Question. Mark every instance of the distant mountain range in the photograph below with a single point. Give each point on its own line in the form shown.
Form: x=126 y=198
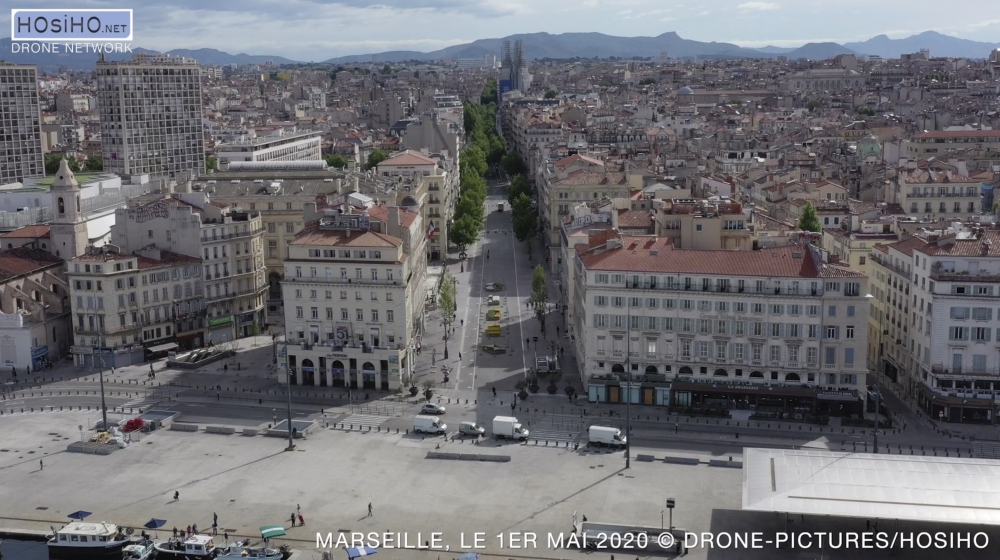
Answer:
x=563 y=46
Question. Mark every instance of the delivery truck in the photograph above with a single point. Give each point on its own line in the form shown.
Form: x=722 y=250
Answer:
x=507 y=427
x=606 y=435
x=429 y=425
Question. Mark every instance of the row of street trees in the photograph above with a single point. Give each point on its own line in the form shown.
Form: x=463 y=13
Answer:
x=485 y=150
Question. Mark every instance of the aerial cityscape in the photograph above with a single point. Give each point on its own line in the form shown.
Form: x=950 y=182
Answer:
x=595 y=289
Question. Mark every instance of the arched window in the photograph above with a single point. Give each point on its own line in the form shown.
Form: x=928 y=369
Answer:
x=721 y=373
x=792 y=377
x=685 y=371
x=62 y=206
x=617 y=368
x=651 y=370
x=756 y=375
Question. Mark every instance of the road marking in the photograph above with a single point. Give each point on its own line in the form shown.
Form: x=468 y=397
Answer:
x=364 y=420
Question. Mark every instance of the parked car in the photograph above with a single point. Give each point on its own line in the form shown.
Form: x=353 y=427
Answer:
x=431 y=408
x=471 y=429
x=493 y=287
x=429 y=425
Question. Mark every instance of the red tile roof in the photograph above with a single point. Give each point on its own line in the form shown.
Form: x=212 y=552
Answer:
x=15 y=262
x=28 y=232
x=637 y=255
x=409 y=158
x=988 y=245
x=381 y=213
x=959 y=134
x=330 y=237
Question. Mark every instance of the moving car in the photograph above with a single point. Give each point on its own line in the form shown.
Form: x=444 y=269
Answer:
x=493 y=287
x=500 y=207
x=606 y=435
x=431 y=408
x=508 y=427
x=494 y=349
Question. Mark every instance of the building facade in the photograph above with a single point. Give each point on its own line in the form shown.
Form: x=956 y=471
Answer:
x=775 y=330
x=937 y=321
x=295 y=146
x=151 y=116
x=20 y=124
x=353 y=296
x=34 y=309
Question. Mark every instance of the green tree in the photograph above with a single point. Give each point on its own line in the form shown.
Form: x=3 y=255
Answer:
x=336 y=160
x=376 y=157
x=513 y=164
x=551 y=94
x=475 y=159
x=464 y=231
x=446 y=303
x=866 y=111
x=211 y=163
x=489 y=94
x=809 y=221
x=387 y=69
x=524 y=218
x=518 y=186
x=52 y=163
x=539 y=294
x=94 y=163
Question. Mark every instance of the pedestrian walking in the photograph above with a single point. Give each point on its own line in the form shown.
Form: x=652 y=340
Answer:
x=225 y=537
x=215 y=518
x=298 y=509
x=189 y=529
x=151 y=369
x=301 y=520
x=177 y=495
x=41 y=465
x=215 y=529
x=463 y=322
x=194 y=528
x=494 y=392
x=175 y=531
x=238 y=366
x=218 y=396
x=460 y=356
x=369 y=509
x=225 y=368
x=293 y=520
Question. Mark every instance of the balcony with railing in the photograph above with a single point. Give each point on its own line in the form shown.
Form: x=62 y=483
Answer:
x=341 y=280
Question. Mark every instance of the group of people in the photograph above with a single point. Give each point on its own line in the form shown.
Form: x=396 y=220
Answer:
x=193 y=528
x=298 y=513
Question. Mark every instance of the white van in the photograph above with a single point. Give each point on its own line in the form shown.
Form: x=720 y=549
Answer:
x=429 y=425
x=606 y=435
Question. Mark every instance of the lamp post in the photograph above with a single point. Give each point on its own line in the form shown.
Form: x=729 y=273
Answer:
x=274 y=345
x=288 y=392
x=104 y=406
x=628 y=392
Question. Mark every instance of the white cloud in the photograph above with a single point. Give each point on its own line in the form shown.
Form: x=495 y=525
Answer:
x=758 y=6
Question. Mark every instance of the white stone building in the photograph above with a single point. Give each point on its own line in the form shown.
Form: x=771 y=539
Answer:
x=280 y=146
x=21 y=138
x=775 y=330
x=354 y=300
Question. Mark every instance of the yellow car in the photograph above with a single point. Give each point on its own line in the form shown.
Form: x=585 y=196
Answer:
x=493 y=330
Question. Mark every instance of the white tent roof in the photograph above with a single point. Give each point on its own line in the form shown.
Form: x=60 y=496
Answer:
x=942 y=489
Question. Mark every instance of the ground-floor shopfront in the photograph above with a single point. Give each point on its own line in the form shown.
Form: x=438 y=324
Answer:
x=359 y=367
x=108 y=357
x=973 y=405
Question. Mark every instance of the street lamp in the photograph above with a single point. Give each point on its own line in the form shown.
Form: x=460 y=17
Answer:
x=288 y=391
x=628 y=392
x=274 y=345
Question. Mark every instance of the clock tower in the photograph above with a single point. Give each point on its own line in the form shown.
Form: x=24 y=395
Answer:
x=68 y=230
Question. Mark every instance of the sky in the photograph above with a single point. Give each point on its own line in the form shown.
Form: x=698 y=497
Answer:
x=314 y=30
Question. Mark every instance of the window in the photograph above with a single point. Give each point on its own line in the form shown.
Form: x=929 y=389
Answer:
x=360 y=314
x=756 y=328
x=618 y=301
x=600 y=301
x=775 y=353
x=850 y=311
x=831 y=311
x=374 y=296
x=343 y=314
x=687 y=304
x=298 y=312
x=722 y=306
x=959 y=312
x=651 y=303
x=720 y=327
x=289 y=227
x=776 y=309
x=812 y=310
x=738 y=351
x=978 y=313
x=811 y=356
x=343 y=294
x=329 y=313
x=389 y=316
x=958 y=333
x=756 y=351
x=981 y=334
x=848 y=356
x=705 y=326
x=813 y=331
x=686 y=325
x=635 y=302
x=758 y=308
x=686 y=349
x=703 y=349
x=775 y=330
x=601 y=278
x=793 y=354
x=978 y=363
x=849 y=332
x=315 y=312
x=600 y=321
x=374 y=315
x=831 y=356
x=792 y=330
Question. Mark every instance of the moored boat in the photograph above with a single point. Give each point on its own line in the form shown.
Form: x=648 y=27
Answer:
x=142 y=550
x=243 y=550
x=80 y=540
x=194 y=547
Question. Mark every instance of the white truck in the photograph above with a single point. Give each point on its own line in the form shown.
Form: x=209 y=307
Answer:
x=508 y=427
x=429 y=425
x=606 y=435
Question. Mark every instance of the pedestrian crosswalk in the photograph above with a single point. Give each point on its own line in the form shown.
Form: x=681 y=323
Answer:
x=553 y=434
x=367 y=420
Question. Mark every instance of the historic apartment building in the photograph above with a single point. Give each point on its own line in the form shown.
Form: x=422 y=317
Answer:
x=127 y=307
x=773 y=330
x=353 y=293
x=430 y=187
x=227 y=241
x=934 y=321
